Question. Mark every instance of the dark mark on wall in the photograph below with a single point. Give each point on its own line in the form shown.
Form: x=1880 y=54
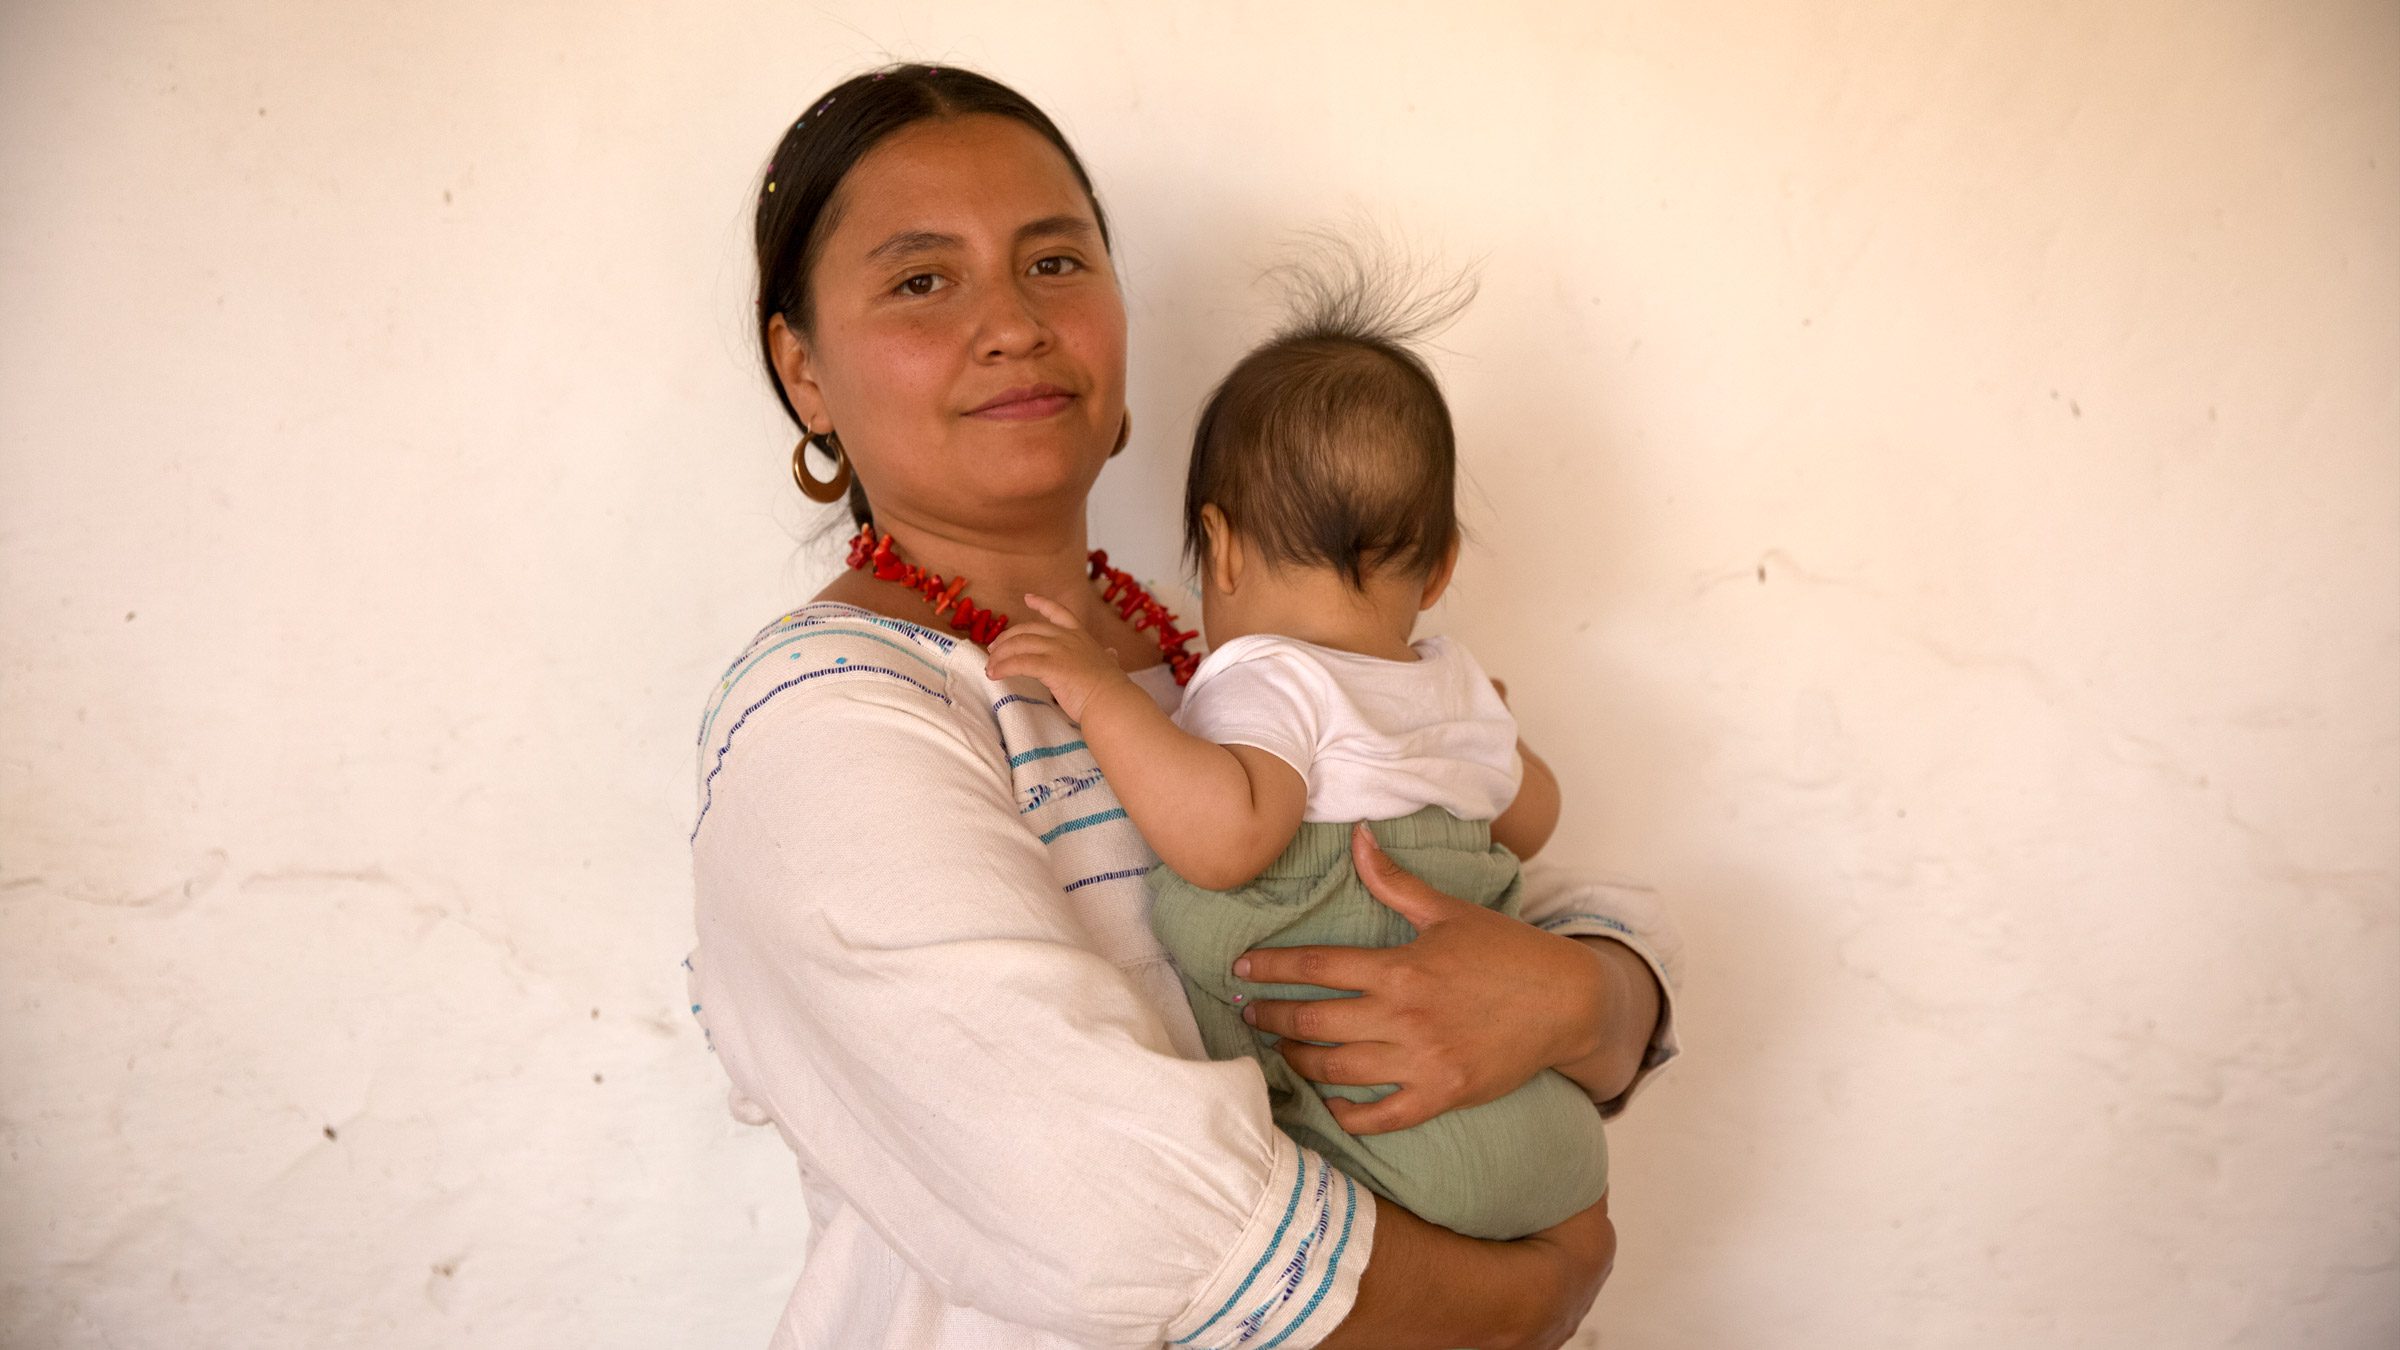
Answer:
x=595 y=1078
x=330 y=1134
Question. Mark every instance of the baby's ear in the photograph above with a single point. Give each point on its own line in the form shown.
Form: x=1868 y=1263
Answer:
x=1439 y=580
x=1221 y=568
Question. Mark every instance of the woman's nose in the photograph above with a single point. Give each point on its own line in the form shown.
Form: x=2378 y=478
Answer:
x=1010 y=325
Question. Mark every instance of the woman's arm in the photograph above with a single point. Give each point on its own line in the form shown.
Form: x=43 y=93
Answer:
x=1428 y=1287
x=890 y=969
x=1624 y=1024
x=1628 y=926
x=1472 y=1007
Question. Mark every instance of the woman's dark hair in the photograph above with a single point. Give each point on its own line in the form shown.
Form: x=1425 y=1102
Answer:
x=796 y=194
x=1330 y=444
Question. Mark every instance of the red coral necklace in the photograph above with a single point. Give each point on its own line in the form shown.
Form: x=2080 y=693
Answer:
x=873 y=552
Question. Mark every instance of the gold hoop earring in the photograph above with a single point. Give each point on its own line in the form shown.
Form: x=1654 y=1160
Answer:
x=1124 y=434
x=822 y=489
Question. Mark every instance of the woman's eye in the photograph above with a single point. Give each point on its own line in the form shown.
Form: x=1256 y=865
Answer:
x=1057 y=265
x=923 y=283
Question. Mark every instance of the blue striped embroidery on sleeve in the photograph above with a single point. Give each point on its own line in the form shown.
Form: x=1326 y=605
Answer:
x=1333 y=1264
x=1290 y=1207
x=1083 y=822
x=1603 y=920
x=1296 y=1268
x=1057 y=789
x=1025 y=757
x=1119 y=875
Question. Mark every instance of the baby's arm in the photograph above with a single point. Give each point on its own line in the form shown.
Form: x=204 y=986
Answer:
x=1217 y=814
x=1526 y=825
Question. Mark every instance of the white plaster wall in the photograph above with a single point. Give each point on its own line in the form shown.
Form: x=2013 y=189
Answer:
x=1958 y=446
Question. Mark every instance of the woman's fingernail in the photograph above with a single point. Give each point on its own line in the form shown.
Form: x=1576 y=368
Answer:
x=1241 y=968
x=1250 y=1015
x=1238 y=998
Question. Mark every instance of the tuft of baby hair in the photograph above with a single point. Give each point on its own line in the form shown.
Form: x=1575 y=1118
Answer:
x=1330 y=444
x=1362 y=286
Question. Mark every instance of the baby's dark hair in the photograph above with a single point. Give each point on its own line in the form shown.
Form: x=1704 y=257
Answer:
x=1330 y=444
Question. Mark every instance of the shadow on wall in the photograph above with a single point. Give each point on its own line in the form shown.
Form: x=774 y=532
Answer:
x=1541 y=441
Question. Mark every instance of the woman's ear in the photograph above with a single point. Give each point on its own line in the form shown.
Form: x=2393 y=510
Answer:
x=792 y=366
x=1439 y=581
x=1222 y=568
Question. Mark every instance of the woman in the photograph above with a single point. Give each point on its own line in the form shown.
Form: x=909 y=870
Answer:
x=923 y=946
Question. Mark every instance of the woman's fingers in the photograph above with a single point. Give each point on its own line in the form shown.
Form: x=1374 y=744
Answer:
x=1357 y=1064
x=1317 y=1019
x=1330 y=967
x=1401 y=891
x=1398 y=1111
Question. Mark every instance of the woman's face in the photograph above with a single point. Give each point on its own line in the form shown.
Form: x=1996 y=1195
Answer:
x=968 y=342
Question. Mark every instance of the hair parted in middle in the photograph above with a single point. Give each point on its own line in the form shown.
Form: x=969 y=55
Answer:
x=1330 y=444
x=799 y=194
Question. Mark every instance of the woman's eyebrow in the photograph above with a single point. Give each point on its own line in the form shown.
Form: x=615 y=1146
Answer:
x=910 y=242
x=1072 y=227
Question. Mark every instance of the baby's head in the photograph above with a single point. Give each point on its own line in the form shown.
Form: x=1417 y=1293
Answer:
x=1327 y=454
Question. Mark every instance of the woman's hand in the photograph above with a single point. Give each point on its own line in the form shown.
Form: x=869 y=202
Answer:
x=1060 y=654
x=1470 y=1009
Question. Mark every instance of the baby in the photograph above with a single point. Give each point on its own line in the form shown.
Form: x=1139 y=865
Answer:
x=1319 y=513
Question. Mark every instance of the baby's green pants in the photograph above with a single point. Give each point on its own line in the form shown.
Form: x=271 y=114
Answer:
x=1500 y=1170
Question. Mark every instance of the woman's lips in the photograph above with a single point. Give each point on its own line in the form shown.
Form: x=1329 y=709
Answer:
x=1026 y=404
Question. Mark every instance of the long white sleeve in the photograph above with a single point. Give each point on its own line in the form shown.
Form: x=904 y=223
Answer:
x=892 y=971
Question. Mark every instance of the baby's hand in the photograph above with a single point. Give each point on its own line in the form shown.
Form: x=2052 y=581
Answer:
x=1059 y=654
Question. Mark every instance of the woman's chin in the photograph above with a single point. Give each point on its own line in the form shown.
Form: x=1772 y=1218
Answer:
x=1036 y=462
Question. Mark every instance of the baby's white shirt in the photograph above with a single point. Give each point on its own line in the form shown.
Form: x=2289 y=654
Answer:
x=1375 y=738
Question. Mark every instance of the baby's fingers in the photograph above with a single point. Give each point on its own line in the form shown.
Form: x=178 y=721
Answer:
x=1023 y=640
x=1055 y=613
x=1026 y=658
x=1019 y=632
